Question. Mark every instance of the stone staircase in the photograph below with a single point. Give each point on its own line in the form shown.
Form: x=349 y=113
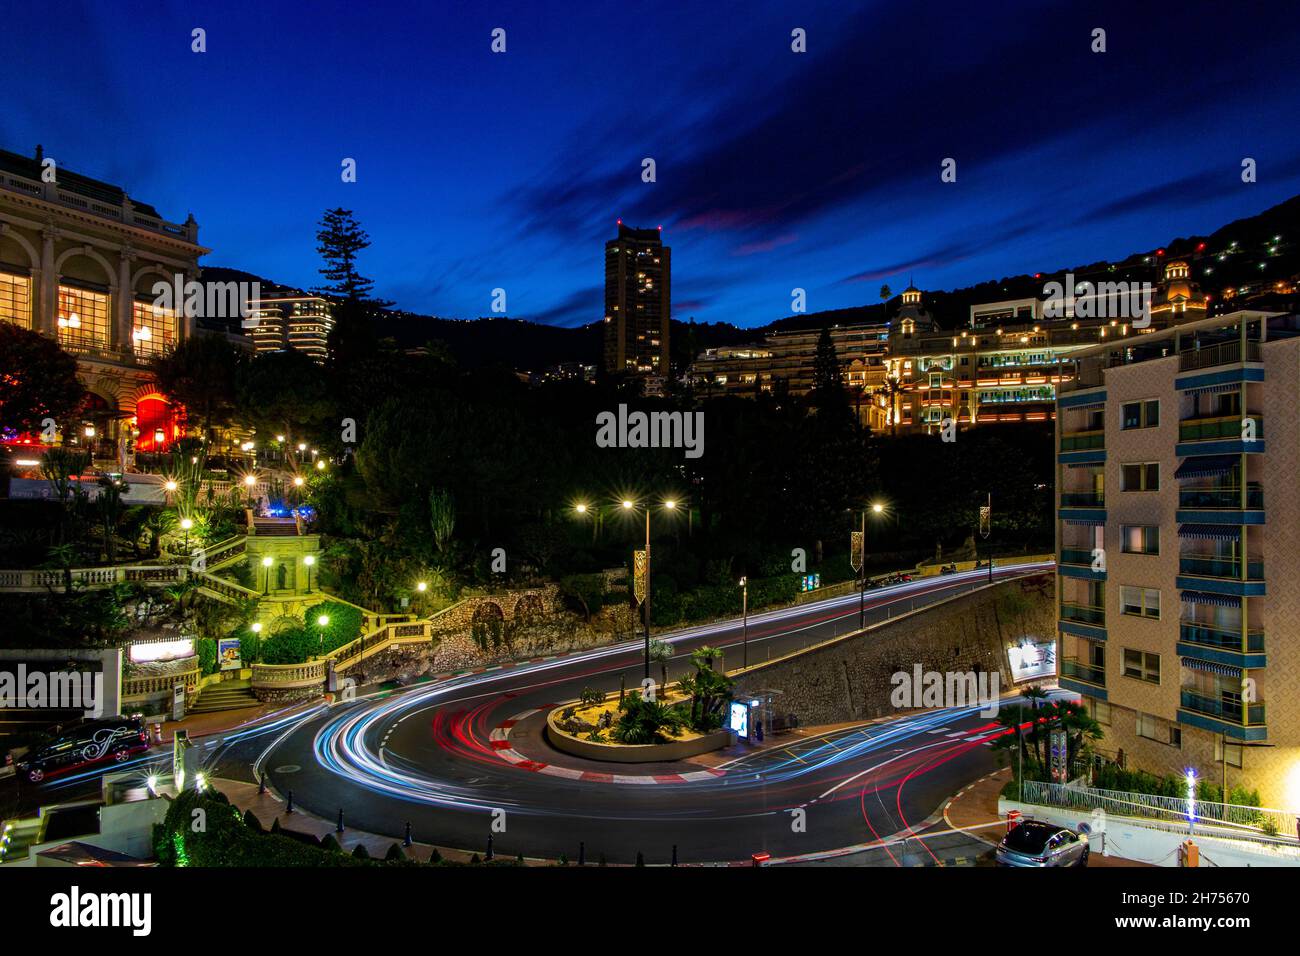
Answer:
x=227 y=695
x=275 y=527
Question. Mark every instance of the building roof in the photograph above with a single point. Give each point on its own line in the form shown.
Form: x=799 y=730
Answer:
x=29 y=167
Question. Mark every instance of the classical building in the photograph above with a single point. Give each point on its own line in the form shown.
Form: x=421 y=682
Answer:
x=638 y=278
x=78 y=262
x=1178 y=528
x=292 y=321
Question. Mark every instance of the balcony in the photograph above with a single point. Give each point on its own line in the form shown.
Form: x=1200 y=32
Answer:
x=1218 y=428
x=1085 y=614
x=1226 y=498
x=1083 y=441
x=1088 y=674
x=1225 y=353
x=1226 y=715
x=1222 y=645
x=1208 y=566
x=1079 y=563
x=1083 y=499
x=1077 y=556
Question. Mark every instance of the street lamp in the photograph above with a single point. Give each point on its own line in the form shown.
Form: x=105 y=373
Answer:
x=249 y=481
x=323 y=621
x=266 y=563
x=309 y=560
x=422 y=586
x=629 y=505
x=256 y=628
x=744 y=616
x=877 y=508
x=186 y=524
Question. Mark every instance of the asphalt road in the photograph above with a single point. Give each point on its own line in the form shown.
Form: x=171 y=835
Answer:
x=427 y=756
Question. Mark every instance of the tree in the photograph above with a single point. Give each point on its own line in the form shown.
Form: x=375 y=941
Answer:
x=661 y=652
x=38 y=380
x=283 y=393
x=442 y=518
x=828 y=386
x=201 y=373
x=339 y=239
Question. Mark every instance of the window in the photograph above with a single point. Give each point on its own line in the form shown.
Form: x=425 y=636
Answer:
x=16 y=299
x=1141 y=476
x=83 y=319
x=153 y=330
x=1142 y=666
x=1140 y=539
x=1100 y=711
x=1162 y=731
x=1144 y=414
x=1142 y=602
x=1229 y=753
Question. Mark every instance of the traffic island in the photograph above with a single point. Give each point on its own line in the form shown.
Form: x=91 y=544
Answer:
x=588 y=731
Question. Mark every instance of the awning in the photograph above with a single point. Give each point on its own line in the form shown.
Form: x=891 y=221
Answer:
x=1214 y=389
x=1213 y=600
x=1088 y=521
x=1210 y=532
x=1085 y=464
x=1206 y=466
x=1210 y=667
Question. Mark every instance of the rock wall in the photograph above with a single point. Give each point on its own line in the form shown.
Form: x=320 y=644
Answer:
x=849 y=678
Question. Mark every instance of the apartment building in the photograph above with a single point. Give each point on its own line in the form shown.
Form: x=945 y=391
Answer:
x=292 y=321
x=638 y=296
x=1178 y=527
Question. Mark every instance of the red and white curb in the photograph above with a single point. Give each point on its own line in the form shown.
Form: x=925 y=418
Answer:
x=499 y=740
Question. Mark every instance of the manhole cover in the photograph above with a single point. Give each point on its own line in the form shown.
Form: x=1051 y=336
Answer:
x=288 y=768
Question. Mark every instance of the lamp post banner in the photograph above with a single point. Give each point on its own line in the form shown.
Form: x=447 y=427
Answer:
x=640 y=574
x=855 y=550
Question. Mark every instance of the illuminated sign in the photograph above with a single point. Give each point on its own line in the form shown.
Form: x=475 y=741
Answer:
x=1031 y=659
x=161 y=651
x=738 y=719
x=810 y=582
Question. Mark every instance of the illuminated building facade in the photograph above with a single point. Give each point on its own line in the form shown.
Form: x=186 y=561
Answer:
x=638 y=279
x=301 y=322
x=78 y=262
x=1177 y=531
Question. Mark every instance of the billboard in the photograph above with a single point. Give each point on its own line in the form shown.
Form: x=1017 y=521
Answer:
x=1031 y=659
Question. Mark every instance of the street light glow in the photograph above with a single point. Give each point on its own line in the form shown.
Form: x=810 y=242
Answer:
x=422 y=586
x=250 y=480
x=309 y=560
x=170 y=486
x=581 y=508
x=878 y=507
x=298 y=480
x=256 y=627
x=670 y=504
x=627 y=505
x=267 y=561
x=323 y=620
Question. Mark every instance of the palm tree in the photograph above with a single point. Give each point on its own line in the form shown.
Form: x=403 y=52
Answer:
x=661 y=652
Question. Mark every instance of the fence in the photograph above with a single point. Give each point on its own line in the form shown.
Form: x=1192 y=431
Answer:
x=1122 y=803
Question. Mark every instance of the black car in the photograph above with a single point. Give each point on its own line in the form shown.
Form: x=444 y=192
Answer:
x=85 y=743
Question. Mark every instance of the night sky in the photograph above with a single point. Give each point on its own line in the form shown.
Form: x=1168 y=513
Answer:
x=775 y=169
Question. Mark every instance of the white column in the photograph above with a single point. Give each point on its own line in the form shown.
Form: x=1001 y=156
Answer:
x=47 y=296
x=124 y=305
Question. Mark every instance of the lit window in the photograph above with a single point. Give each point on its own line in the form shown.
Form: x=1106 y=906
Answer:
x=153 y=330
x=16 y=299
x=82 y=319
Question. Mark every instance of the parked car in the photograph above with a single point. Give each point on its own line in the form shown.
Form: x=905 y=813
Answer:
x=85 y=743
x=1033 y=843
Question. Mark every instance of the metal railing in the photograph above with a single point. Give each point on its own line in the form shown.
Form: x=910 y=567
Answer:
x=1221 y=497
x=1077 y=556
x=1262 y=820
x=1228 y=709
x=1225 y=353
x=1083 y=441
x=1205 y=635
x=1083 y=613
x=1084 y=672
x=1218 y=427
x=1083 y=499
x=1205 y=566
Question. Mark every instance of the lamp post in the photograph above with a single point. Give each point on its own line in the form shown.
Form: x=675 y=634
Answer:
x=249 y=481
x=186 y=524
x=744 y=617
x=323 y=621
x=309 y=560
x=266 y=563
x=876 y=508
x=629 y=505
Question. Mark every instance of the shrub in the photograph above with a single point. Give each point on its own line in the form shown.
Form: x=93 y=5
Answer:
x=206 y=648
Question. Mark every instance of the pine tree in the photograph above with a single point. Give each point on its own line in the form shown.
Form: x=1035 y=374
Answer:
x=339 y=240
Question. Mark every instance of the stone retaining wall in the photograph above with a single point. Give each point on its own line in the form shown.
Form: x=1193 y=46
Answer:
x=849 y=678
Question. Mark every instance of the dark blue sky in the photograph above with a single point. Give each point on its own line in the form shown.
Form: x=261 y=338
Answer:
x=775 y=170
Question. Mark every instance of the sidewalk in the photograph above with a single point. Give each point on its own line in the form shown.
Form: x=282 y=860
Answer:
x=224 y=721
x=974 y=810
x=267 y=807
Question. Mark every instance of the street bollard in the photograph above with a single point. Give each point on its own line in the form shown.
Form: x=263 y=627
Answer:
x=489 y=854
x=289 y=807
x=582 y=854
x=406 y=840
x=340 y=826
x=674 y=854
x=261 y=785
